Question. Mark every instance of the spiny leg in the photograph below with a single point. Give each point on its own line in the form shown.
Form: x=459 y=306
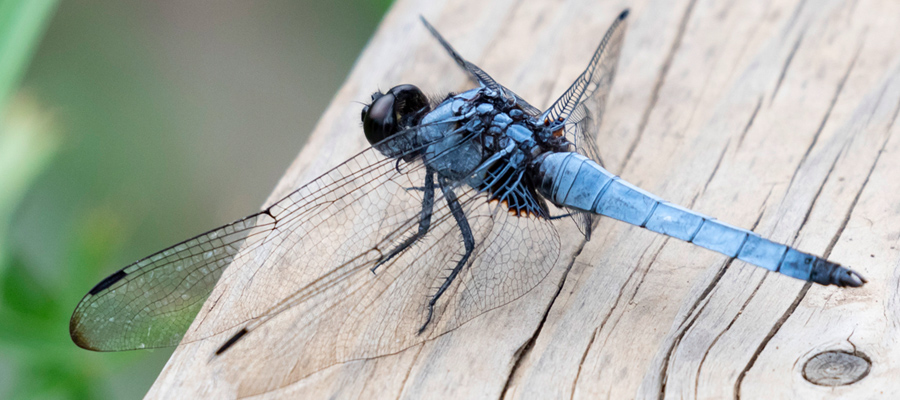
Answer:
x=424 y=220
x=468 y=242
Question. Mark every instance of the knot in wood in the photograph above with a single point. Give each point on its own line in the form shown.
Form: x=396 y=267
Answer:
x=836 y=368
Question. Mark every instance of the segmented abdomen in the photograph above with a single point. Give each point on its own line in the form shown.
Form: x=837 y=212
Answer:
x=573 y=180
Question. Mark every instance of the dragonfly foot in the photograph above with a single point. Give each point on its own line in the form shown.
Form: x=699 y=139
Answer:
x=378 y=264
x=427 y=320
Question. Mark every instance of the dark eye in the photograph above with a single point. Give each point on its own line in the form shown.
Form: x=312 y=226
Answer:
x=398 y=109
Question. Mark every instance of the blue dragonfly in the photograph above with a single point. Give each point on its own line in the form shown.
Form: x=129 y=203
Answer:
x=449 y=214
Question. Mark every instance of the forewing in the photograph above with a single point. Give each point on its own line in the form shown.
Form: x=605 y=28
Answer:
x=152 y=302
x=328 y=306
x=479 y=75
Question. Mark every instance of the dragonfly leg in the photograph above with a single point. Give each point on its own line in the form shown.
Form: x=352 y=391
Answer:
x=468 y=242
x=582 y=220
x=424 y=220
x=561 y=216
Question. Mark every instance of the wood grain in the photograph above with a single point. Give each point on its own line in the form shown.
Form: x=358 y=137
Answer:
x=773 y=115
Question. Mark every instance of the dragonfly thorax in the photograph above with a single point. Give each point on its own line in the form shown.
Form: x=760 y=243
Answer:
x=480 y=139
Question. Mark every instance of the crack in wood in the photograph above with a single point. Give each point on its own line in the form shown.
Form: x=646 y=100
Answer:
x=894 y=117
x=877 y=104
x=787 y=64
x=818 y=193
x=856 y=199
x=683 y=331
x=520 y=354
x=837 y=94
x=719 y=162
x=647 y=270
x=660 y=79
x=690 y=321
x=750 y=122
x=606 y=317
x=769 y=336
x=587 y=350
x=759 y=284
x=526 y=347
x=727 y=328
x=409 y=371
x=802 y=294
x=794 y=16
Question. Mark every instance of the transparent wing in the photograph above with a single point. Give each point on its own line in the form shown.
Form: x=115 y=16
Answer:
x=303 y=279
x=580 y=108
x=594 y=83
x=152 y=302
x=329 y=236
x=479 y=75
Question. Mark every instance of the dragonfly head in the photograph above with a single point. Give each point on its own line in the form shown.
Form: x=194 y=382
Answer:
x=398 y=109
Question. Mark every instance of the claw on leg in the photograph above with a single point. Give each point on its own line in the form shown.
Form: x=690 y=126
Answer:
x=468 y=241
x=424 y=221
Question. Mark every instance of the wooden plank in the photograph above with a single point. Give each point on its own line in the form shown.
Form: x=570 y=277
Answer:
x=777 y=116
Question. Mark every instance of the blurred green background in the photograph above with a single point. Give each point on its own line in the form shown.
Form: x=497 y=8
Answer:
x=127 y=126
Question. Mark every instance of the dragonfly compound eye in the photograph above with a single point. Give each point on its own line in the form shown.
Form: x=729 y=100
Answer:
x=398 y=109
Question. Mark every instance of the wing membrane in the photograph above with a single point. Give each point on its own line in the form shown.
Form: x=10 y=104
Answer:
x=151 y=302
x=479 y=75
x=580 y=108
x=328 y=236
x=303 y=279
x=346 y=312
x=301 y=270
x=596 y=79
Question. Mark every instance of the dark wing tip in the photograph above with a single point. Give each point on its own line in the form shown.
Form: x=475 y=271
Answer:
x=78 y=336
x=75 y=331
x=624 y=14
x=80 y=342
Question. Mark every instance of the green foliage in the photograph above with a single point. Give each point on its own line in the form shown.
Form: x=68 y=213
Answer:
x=22 y=23
x=86 y=113
x=35 y=311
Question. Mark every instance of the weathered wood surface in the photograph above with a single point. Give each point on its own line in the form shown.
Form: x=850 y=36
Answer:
x=773 y=115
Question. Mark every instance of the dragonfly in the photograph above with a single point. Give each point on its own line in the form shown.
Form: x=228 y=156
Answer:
x=450 y=213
